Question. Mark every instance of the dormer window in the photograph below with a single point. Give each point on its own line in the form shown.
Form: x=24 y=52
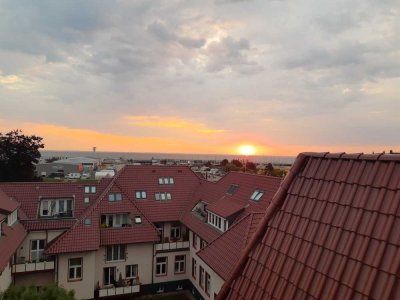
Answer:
x=12 y=218
x=112 y=197
x=256 y=196
x=90 y=189
x=138 y=220
x=59 y=208
x=159 y=196
x=141 y=195
x=217 y=221
x=115 y=220
x=166 y=180
x=232 y=189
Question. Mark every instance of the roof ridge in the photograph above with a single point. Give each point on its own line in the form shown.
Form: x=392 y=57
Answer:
x=275 y=205
x=248 y=229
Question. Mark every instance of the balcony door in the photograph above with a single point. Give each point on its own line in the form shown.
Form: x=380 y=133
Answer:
x=109 y=275
x=37 y=249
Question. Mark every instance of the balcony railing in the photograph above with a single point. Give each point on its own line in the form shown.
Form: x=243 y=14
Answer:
x=33 y=266
x=178 y=245
x=132 y=286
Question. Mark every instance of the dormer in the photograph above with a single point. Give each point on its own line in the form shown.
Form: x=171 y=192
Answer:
x=12 y=218
x=117 y=220
x=56 y=208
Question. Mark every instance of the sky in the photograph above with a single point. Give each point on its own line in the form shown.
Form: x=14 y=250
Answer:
x=202 y=76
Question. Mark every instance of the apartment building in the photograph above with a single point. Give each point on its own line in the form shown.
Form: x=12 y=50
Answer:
x=148 y=230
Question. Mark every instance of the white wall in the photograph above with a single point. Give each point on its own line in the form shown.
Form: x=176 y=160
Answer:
x=216 y=281
x=5 y=278
x=84 y=289
x=137 y=254
x=171 y=276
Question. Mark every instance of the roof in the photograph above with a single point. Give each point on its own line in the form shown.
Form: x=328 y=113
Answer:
x=7 y=204
x=138 y=233
x=10 y=240
x=202 y=229
x=77 y=161
x=224 y=207
x=218 y=201
x=47 y=224
x=28 y=194
x=224 y=252
x=331 y=232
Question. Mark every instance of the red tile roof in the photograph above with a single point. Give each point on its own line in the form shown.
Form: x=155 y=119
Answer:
x=7 y=205
x=37 y=225
x=10 y=240
x=224 y=207
x=136 y=234
x=28 y=194
x=202 y=229
x=332 y=232
x=224 y=252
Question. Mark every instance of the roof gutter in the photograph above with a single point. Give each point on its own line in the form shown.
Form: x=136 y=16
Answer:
x=276 y=203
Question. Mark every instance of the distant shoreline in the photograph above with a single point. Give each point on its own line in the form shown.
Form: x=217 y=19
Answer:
x=174 y=156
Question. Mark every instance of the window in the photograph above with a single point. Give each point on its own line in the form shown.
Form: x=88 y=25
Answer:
x=232 y=189
x=217 y=222
x=141 y=195
x=175 y=231
x=194 y=241
x=75 y=268
x=201 y=277
x=61 y=208
x=90 y=189
x=180 y=264
x=131 y=271
x=88 y=221
x=162 y=196
x=109 y=275
x=37 y=249
x=203 y=244
x=256 y=196
x=138 y=220
x=112 y=197
x=208 y=284
x=166 y=180
x=161 y=266
x=86 y=200
x=194 y=268
x=115 y=252
x=12 y=218
x=116 y=220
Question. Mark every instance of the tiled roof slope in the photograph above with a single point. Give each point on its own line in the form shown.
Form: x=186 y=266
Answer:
x=224 y=252
x=145 y=178
x=10 y=240
x=215 y=195
x=332 y=232
x=7 y=205
x=30 y=193
x=83 y=237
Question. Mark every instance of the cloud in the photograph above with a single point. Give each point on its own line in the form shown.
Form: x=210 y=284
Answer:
x=170 y=123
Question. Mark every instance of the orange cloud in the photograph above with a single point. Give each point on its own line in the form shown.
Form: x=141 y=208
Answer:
x=170 y=122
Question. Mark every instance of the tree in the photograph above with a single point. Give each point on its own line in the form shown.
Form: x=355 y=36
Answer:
x=51 y=292
x=224 y=162
x=250 y=166
x=18 y=154
x=237 y=163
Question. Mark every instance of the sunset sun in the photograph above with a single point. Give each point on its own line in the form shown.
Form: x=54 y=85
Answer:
x=247 y=150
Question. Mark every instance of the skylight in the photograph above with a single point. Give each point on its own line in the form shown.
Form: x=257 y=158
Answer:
x=256 y=196
x=232 y=189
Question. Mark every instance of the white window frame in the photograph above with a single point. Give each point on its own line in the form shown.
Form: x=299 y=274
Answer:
x=141 y=195
x=176 y=231
x=218 y=222
x=116 y=252
x=75 y=269
x=162 y=196
x=207 y=283
x=256 y=196
x=112 y=273
x=180 y=264
x=131 y=271
x=117 y=220
x=162 y=266
x=166 y=180
x=90 y=189
x=114 y=197
x=36 y=252
x=12 y=218
x=56 y=206
x=138 y=219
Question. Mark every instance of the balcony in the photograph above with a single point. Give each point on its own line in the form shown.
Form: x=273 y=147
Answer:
x=128 y=287
x=22 y=267
x=182 y=244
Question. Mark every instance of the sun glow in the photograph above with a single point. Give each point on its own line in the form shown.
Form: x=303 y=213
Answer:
x=247 y=150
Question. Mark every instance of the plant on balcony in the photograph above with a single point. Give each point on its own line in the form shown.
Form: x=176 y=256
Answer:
x=103 y=226
x=166 y=239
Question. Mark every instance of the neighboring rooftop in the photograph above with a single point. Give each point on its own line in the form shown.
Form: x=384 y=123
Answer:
x=331 y=232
